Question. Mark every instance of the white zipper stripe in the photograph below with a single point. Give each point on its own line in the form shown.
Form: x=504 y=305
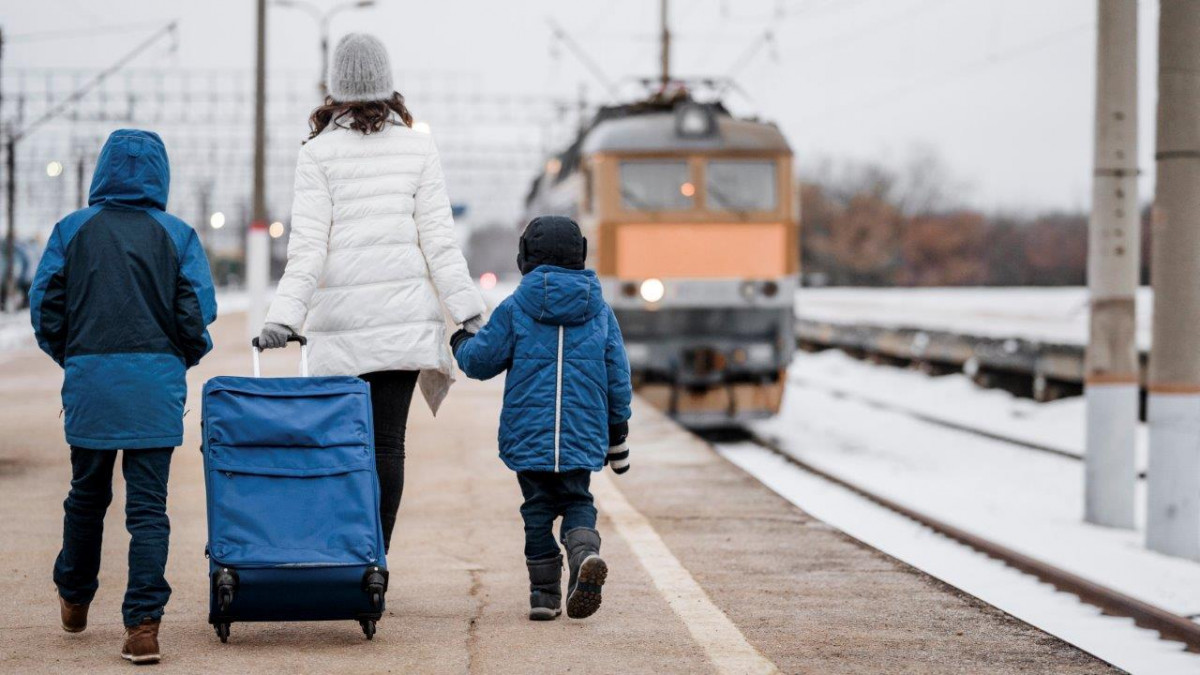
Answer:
x=558 y=399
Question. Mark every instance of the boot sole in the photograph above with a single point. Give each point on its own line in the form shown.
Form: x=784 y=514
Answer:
x=585 y=599
x=143 y=659
x=544 y=614
x=77 y=629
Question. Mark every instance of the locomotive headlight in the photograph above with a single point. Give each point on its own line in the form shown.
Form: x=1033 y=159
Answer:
x=653 y=290
x=760 y=354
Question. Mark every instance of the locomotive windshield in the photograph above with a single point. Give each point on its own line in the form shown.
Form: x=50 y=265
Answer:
x=656 y=185
x=742 y=185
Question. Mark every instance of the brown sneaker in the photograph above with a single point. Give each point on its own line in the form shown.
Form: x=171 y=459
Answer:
x=141 y=643
x=74 y=617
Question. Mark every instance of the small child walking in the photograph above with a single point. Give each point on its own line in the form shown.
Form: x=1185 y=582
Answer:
x=566 y=407
x=122 y=301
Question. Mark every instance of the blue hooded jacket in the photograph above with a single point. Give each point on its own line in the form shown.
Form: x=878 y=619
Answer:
x=568 y=376
x=122 y=300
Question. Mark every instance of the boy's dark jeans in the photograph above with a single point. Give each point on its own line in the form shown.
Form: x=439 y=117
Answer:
x=78 y=564
x=549 y=495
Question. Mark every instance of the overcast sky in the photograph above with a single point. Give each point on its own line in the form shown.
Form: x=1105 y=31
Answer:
x=1001 y=89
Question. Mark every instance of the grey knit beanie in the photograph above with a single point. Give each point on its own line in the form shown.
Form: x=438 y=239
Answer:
x=360 y=70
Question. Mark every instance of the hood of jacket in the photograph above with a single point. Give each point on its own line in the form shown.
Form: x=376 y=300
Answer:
x=559 y=296
x=132 y=170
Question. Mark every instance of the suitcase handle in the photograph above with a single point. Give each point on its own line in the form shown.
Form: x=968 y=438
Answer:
x=291 y=338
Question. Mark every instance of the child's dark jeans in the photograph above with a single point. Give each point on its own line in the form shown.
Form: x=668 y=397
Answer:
x=549 y=495
x=78 y=564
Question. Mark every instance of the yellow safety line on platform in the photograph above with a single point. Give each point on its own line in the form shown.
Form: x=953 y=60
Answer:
x=721 y=640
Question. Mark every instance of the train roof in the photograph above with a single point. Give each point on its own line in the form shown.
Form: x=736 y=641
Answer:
x=658 y=132
x=656 y=125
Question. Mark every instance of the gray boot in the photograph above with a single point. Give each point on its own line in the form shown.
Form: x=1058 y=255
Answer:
x=588 y=572
x=545 y=588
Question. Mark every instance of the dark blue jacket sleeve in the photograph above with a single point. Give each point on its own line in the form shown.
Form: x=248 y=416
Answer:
x=48 y=299
x=616 y=363
x=195 y=302
x=490 y=352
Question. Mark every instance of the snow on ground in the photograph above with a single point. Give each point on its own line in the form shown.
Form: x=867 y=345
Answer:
x=1027 y=500
x=1113 y=639
x=953 y=399
x=1058 y=315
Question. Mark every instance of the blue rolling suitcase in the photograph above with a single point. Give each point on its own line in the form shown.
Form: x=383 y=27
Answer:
x=293 y=500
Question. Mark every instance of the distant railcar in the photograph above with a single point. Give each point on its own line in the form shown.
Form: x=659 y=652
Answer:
x=692 y=229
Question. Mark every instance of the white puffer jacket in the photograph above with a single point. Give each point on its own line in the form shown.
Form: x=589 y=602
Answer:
x=371 y=252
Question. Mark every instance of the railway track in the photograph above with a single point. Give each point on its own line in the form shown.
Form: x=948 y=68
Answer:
x=938 y=421
x=1169 y=625
x=932 y=419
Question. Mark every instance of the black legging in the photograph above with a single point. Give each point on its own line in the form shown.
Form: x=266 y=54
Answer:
x=391 y=394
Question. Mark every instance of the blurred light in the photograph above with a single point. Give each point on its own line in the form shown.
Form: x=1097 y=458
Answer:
x=749 y=290
x=217 y=220
x=760 y=354
x=553 y=165
x=276 y=230
x=687 y=189
x=487 y=281
x=54 y=169
x=422 y=127
x=693 y=120
x=653 y=290
x=365 y=3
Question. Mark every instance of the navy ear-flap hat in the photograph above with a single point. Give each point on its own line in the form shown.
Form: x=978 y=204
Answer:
x=552 y=240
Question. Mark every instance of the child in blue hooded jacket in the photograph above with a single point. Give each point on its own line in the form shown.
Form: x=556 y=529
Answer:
x=122 y=301
x=566 y=407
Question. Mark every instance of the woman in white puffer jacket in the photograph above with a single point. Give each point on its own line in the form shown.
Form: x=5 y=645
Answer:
x=372 y=252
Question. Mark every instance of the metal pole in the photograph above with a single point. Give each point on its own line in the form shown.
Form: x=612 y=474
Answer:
x=10 y=194
x=80 y=191
x=7 y=291
x=256 y=239
x=666 y=45
x=1173 y=477
x=324 y=57
x=1113 y=258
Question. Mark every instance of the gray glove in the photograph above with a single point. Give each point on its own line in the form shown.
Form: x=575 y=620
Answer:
x=274 y=336
x=473 y=324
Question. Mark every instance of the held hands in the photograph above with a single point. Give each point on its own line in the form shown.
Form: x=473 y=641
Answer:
x=469 y=328
x=274 y=336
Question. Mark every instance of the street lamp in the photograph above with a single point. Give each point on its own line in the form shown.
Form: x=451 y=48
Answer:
x=323 y=17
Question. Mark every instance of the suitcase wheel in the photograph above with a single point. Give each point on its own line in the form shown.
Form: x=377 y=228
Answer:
x=222 y=631
x=224 y=597
x=224 y=581
x=368 y=628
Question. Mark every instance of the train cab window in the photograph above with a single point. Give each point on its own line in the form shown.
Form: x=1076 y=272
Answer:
x=742 y=185
x=656 y=185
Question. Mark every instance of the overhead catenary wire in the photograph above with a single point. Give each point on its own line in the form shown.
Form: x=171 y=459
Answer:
x=99 y=79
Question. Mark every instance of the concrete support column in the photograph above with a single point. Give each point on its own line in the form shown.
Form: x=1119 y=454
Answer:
x=1173 y=481
x=1113 y=258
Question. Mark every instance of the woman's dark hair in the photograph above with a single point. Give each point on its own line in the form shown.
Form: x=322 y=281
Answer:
x=362 y=116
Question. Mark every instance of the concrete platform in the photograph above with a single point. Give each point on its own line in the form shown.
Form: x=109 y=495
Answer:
x=710 y=571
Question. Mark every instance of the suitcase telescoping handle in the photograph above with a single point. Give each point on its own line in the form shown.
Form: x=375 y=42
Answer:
x=291 y=338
